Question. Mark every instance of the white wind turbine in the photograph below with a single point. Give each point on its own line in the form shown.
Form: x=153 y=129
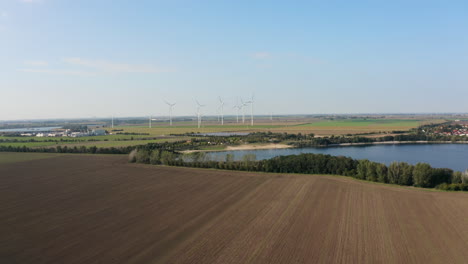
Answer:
x=243 y=104
x=221 y=107
x=199 y=106
x=238 y=107
x=150 y=121
x=251 y=102
x=170 y=111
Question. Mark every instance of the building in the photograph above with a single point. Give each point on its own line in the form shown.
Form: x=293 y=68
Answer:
x=98 y=132
x=78 y=134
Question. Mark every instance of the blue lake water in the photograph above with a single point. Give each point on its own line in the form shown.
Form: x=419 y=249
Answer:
x=453 y=156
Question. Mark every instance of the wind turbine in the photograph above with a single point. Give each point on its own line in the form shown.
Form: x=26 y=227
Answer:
x=222 y=108
x=199 y=106
x=243 y=104
x=251 y=102
x=149 y=121
x=170 y=111
x=239 y=107
x=112 y=122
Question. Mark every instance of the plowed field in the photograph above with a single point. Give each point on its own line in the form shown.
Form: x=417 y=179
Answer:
x=100 y=209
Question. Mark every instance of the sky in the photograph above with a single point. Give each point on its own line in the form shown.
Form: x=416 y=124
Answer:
x=101 y=58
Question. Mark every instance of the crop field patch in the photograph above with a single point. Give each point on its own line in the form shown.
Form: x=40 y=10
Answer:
x=101 y=209
x=367 y=122
x=30 y=144
x=355 y=126
x=12 y=157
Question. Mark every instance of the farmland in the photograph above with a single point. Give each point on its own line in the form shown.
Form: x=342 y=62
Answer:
x=356 y=126
x=133 y=135
x=17 y=157
x=98 y=141
x=304 y=125
x=101 y=209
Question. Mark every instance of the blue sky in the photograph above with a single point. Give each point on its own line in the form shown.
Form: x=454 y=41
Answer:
x=69 y=59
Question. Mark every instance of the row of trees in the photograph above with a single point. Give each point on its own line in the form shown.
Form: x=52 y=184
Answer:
x=401 y=173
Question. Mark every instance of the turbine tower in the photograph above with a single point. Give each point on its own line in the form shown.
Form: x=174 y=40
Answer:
x=251 y=102
x=221 y=107
x=149 y=121
x=170 y=111
x=238 y=107
x=112 y=125
x=243 y=104
x=199 y=106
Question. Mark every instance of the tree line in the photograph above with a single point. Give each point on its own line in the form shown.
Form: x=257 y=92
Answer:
x=400 y=173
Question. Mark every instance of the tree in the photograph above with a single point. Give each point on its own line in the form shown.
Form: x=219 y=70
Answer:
x=142 y=156
x=155 y=158
x=229 y=158
x=441 y=175
x=394 y=173
x=248 y=160
x=406 y=177
x=362 y=169
x=371 y=173
x=93 y=149
x=464 y=178
x=457 y=177
x=198 y=156
x=382 y=172
x=422 y=175
x=167 y=157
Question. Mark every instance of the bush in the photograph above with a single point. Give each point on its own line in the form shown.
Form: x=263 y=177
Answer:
x=167 y=157
x=143 y=156
x=457 y=177
x=155 y=158
x=453 y=187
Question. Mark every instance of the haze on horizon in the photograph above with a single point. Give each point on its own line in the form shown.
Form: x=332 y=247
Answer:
x=71 y=59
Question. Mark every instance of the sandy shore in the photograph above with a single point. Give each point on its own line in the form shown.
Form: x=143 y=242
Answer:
x=283 y=146
x=255 y=146
x=244 y=147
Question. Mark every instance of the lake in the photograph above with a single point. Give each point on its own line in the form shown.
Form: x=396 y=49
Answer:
x=453 y=156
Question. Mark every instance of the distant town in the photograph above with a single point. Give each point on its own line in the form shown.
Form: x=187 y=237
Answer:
x=456 y=128
x=66 y=133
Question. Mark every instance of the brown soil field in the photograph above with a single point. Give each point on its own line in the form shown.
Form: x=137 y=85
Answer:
x=100 y=209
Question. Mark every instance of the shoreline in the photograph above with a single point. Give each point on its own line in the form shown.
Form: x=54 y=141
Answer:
x=394 y=143
x=243 y=147
x=285 y=146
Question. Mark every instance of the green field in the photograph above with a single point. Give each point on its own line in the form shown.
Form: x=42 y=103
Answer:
x=366 y=123
x=122 y=143
x=168 y=130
